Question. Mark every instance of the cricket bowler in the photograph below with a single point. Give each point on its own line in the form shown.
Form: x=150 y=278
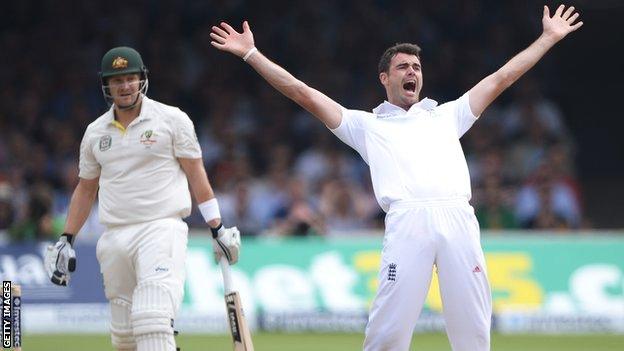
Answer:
x=420 y=178
x=139 y=157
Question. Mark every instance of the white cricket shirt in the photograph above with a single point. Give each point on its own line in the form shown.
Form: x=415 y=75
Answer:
x=414 y=154
x=140 y=177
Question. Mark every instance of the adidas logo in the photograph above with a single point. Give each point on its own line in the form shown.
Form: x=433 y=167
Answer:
x=392 y=272
x=477 y=269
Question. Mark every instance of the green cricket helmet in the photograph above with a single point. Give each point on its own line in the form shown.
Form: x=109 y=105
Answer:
x=122 y=60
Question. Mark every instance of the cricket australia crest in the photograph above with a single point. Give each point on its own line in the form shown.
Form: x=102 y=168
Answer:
x=147 y=138
x=119 y=63
x=105 y=142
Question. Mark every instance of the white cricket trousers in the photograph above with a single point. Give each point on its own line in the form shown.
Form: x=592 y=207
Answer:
x=421 y=234
x=143 y=265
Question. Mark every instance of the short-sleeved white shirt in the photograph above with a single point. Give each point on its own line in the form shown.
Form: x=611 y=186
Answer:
x=414 y=154
x=140 y=177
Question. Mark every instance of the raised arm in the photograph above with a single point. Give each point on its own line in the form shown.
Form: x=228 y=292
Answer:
x=225 y=38
x=555 y=29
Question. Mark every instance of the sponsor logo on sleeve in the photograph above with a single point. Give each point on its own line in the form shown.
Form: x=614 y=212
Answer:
x=392 y=271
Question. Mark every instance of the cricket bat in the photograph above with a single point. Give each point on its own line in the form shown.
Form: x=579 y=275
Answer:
x=241 y=337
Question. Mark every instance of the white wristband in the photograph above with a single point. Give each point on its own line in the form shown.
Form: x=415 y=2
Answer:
x=209 y=209
x=249 y=53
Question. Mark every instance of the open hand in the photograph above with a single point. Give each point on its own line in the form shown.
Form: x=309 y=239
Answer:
x=561 y=23
x=226 y=38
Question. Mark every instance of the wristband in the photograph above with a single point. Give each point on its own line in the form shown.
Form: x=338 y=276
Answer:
x=209 y=209
x=249 y=53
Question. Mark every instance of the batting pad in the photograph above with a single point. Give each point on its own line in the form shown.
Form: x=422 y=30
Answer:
x=122 y=336
x=152 y=312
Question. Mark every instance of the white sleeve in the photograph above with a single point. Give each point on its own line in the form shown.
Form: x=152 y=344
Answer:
x=185 y=143
x=88 y=166
x=351 y=130
x=464 y=119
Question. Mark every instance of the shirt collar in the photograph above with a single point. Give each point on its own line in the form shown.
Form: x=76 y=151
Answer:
x=143 y=115
x=387 y=109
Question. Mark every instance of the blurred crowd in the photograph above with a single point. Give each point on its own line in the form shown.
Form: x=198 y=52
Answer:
x=275 y=169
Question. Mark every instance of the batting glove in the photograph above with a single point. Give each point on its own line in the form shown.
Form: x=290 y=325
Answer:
x=60 y=260
x=226 y=242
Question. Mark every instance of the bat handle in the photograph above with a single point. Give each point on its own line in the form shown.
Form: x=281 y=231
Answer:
x=227 y=277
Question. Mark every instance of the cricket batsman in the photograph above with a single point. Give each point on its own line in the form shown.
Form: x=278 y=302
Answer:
x=140 y=157
x=420 y=178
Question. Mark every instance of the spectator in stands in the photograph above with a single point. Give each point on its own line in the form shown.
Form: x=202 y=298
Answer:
x=47 y=105
x=529 y=102
x=298 y=217
x=20 y=192
x=246 y=205
x=530 y=150
x=92 y=229
x=39 y=223
x=493 y=205
x=344 y=207
x=547 y=202
x=7 y=212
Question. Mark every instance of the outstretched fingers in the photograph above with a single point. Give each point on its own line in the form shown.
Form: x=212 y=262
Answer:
x=217 y=45
x=219 y=31
x=228 y=28
x=562 y=22
x=577 y=26
x=226 y=38
x=218 y=38
x=568 y=13
x=572 y=18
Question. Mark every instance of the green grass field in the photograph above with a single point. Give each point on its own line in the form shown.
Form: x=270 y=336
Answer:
x=334 y=342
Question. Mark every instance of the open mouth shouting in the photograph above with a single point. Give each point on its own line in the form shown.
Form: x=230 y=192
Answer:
x=410 y=86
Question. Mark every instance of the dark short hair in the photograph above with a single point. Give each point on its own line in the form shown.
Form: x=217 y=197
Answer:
x=405 y=48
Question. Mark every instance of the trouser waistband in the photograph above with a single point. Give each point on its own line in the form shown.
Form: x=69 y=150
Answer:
x=419 y=203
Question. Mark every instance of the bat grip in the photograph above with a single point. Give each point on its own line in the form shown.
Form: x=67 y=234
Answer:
x=227 y=277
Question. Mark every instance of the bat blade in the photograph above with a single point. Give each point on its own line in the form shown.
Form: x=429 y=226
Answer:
x=241 y=337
